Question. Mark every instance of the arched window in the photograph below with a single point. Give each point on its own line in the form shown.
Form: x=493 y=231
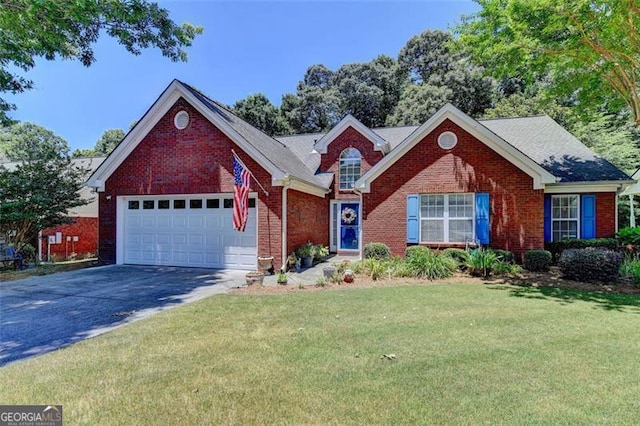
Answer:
x=350 y=160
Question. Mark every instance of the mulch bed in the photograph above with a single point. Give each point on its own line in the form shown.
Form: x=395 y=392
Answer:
x=553 y=279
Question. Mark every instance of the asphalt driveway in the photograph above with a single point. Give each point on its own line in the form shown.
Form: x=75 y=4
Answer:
x=41 y=314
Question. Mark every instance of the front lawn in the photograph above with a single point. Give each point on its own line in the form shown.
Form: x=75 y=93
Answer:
x=466 y=354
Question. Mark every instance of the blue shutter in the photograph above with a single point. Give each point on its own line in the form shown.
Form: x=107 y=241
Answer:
x=413 y=216
x=482 y=217
x=588 y=216
x=547 y=218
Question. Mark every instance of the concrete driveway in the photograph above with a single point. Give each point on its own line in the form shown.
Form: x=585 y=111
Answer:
x=42 y=314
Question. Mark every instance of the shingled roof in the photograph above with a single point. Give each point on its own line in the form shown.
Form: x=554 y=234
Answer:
x=275 y=151
x=558 y=151
x=540 y=138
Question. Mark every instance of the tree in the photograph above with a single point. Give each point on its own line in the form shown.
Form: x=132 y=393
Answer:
x=258 y=111
x=591 y=47
x=28 y=142
x=428 y=59
x=315 y=106
x=69 y=29
x=38 y=192
x=108 y=141
x=418 y=103
x=370 y=90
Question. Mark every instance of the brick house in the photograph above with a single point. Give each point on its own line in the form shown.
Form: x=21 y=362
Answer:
x=166 y=192
x=79 y=238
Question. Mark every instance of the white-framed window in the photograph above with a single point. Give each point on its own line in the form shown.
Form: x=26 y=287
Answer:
x=446 y=218
x=350 y=161
x=565 y=217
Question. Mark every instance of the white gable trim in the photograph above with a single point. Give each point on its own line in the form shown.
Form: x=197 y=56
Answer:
x=509 y=152
x=379 y=144
x=160 y=107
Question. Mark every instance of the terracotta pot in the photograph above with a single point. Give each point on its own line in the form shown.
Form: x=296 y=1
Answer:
x=255 y=277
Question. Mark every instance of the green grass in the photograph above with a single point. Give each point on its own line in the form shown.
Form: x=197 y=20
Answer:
x=464 y=354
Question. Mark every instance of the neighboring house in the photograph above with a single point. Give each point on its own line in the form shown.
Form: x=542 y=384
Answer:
x=166 y=192
x=78 y=239
x=80 y=236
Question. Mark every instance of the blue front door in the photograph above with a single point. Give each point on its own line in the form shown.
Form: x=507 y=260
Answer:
x=349 y=231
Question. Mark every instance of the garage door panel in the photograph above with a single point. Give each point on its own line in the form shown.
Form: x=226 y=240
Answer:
x=198 y=237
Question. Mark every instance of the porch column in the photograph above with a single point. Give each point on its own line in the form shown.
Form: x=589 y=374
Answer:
x=632 y=215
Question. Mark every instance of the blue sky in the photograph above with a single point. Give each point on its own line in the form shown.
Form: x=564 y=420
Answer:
x=247 y=47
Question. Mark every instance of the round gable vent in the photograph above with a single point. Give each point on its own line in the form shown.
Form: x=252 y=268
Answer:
x=181 y=120
x=447 y=140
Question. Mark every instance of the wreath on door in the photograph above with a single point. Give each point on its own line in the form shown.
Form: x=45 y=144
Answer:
x=348 y=215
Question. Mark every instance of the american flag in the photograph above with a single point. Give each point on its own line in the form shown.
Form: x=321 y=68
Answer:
x=241 y=194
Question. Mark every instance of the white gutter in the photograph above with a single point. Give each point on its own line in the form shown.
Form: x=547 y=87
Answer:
x=286 y=184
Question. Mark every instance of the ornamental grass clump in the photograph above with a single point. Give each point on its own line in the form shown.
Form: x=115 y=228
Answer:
x=631 y=268
x=427 y=264
x=537 y=260
x=590 y=264
x=481 y=262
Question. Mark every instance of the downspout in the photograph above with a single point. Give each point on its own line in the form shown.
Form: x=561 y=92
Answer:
x=287 y=183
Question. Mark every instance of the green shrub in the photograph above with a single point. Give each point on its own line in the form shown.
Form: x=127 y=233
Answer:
x=500 y=267
x=557 y=247
x=459 y=255
x=590 y=264
x=320 y=252
x=481 y=262
x=537 y=260
x=426 y=264
x=411 y=250
x=628 y=236
x=631 y=268
x=377 y=251
x=505 y=255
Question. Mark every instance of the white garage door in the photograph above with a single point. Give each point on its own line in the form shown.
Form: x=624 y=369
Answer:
x=195 y=231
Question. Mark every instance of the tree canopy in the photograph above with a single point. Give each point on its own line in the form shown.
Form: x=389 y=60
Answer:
x=38 y=191
x=69 y=29
x=258 y=111
x=591 y=47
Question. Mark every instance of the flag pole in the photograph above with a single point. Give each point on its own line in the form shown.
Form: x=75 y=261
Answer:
x=254 y=178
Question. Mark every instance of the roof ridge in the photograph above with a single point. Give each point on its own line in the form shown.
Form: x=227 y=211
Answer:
x=226 y=109
x=514 y=118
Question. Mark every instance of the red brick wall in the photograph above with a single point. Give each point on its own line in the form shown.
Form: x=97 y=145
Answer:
x=85 y=228
x=516 y=217
x=605 y=214
x=307 y=219
x=195 y=160
x=330 y=162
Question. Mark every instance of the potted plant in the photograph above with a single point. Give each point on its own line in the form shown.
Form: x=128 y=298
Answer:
x=254 y=277
x=320 y=252
x=281 y=278
x=266 y=264
x=306 y=253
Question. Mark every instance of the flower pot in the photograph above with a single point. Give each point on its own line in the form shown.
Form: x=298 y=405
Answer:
x=265 y=265
x=255 y=277
x=348 y=276
x=307 y=262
